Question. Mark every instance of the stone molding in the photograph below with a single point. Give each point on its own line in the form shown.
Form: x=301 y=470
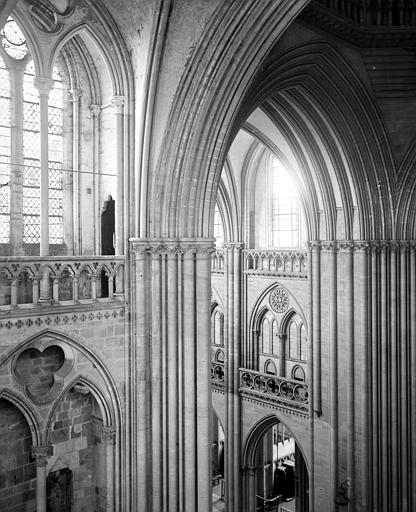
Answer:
x=362 y=245
x=171 y=246
x=234 y=246
x=65 y=318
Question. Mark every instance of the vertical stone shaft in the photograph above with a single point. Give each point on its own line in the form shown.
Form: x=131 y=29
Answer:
x=189 y=385
x=404 y=377
x=155 y=397
x=237 y=254
x=41 y=453
x=350 y=342
x=393 y=391
x=333 y=369
x=412 y=371
x=311 y=380
x=172 y=404
x=139 y=385
x=118 y=105
x=44 y=85
x=375 y=365
x=315 y=268
x=384 y=432
x=233 y=322
x=203 y=377
x=109 y=435
x=96 y=200
x=76 y=235
x=365 y=347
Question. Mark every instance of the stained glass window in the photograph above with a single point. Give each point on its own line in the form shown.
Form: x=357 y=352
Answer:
x=55 y=134
x=31 y=156
x=13 y=40
x=4 y=154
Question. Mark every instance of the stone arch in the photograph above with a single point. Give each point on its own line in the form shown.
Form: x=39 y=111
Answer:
x=258 y=305
x=20 y=402
x=107 y=410
x=344 y=166
x=405 y=220
x=288 y=317
x=198 y=182
x=199 y=95
x=113 y=400
x=249 y=455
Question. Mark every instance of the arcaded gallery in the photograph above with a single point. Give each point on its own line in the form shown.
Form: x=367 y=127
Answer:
x=207 y=255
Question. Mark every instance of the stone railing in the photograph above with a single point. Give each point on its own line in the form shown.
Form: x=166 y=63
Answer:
x=217 y=375
x=217 y=261
x=286 y=394
x=280 y=263
x=55 y=280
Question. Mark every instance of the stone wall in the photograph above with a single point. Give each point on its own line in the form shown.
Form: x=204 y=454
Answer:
x=17 y=468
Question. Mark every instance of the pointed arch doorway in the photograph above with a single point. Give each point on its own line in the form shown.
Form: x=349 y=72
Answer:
x=275 y=471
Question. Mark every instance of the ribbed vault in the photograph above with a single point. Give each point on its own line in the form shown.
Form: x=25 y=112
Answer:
x=339 y=141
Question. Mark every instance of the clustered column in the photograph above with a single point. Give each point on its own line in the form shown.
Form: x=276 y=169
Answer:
x=232 y=363
x=172 y=373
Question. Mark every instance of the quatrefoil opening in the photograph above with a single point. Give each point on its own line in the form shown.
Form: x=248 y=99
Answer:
x=41 y=371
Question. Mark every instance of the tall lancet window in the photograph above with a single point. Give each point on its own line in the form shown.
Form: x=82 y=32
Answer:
x=285 y=211
x=31 y=158
x=218 y=228
x=55 y=134
x=4 y=154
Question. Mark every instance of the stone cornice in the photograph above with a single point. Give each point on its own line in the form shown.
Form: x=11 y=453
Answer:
x=171 y=246
x=363 y=245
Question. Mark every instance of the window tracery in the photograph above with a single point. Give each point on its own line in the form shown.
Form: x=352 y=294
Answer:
x=5 y=128
x=13 y=40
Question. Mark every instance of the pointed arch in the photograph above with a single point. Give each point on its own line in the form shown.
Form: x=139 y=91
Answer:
x=30 y=415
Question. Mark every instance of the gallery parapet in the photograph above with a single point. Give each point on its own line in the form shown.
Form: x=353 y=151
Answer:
x=54 y=280
x=287 y=394
x=283 y=263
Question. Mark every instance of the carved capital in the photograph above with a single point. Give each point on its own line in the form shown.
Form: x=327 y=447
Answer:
x=117 y=102
x=95 y=110
x=249 y=470
x=171 y=246
x=43 y=85
x=346 y=246
x=329 y=246
x=362 y=246
x=314 y=245
x=41 y=454
x=109 y=435
x=235 y=246
x=74 y=95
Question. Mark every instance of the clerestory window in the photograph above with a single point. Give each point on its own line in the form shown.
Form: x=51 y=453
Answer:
x=20 y=149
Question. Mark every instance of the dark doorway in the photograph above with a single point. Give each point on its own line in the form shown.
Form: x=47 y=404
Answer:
x=59 y=491
x=108 y=226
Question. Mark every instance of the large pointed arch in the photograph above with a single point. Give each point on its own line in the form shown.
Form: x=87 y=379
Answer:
x=182 y=198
